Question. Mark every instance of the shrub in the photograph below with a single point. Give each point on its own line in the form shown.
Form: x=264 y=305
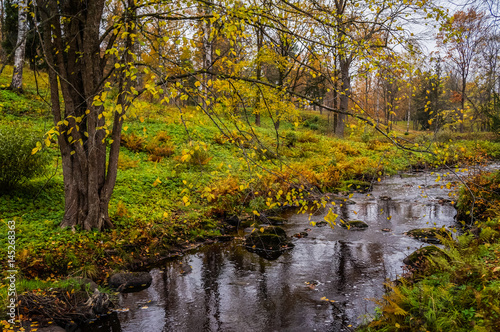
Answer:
x=133 y=142
x=195 y=154
x=17 y=164
x=200 y=156
x=158 y=150
x=444 y=136
x=290 y=139
x=485 y=188
x=125 y=162
x=307 y=137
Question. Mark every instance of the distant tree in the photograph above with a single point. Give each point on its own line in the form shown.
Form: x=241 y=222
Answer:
x=9 y=27
x=429 y=99
x=462 y=39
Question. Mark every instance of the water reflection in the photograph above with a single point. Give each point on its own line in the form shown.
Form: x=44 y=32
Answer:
x=223 y=287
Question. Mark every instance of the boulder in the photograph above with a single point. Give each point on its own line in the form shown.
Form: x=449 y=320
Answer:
x=300 y=235
x=428 y=235
x=127 y=282
x=51 y=328
x=354 y=225
x=268 y=242
x=276 y=220
x=419 y=258
x=233 y=220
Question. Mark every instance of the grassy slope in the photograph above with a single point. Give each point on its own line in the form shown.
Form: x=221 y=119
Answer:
x=158 y=206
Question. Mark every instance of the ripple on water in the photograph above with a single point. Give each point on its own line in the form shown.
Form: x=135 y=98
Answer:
x=321 y=285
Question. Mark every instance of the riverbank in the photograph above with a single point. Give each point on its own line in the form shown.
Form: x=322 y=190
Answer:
x=458 y=290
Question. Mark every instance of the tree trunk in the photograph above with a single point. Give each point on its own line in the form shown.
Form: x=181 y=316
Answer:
x=462 y=103
x=76 y=70
x=17 y=76
x=344 y=94
x=258 y=73
x=2 y=27
x=207 y=47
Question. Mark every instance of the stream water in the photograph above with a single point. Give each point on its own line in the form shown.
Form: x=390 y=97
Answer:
x=223 y=287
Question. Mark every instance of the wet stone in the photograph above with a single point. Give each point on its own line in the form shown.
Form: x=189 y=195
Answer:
x=428 y=235
x=233 y=220
x=127 y=282
x=354 y=225
x=268 y=242
x=300 y=235
x=419 y=258
x=51 y=328
x=276 y=220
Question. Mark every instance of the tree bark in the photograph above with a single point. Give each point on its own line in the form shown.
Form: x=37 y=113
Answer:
x=462 y=101
x=76 y=71
x=258 y=72
x=17 y=76
x=345 y=92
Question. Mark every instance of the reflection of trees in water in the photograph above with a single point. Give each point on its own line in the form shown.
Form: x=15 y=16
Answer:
x=262 y=295
x=355 y=262
x=355 y=259
x=212 y=265
x=386 y=210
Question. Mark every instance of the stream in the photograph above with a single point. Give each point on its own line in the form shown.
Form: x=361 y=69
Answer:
x=327 y=282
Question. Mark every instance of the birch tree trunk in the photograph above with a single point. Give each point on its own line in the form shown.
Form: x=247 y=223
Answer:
x=17 y=77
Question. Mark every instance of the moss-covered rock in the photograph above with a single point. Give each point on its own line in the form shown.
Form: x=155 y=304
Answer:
x=268 y=242
x=276 y=220
x=429 y=235
x=354 y=225
x=419 y=258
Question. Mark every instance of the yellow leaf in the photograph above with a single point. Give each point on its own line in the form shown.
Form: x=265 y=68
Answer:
x=261 y=229
x=256 y=213
x=496 y=269
x=157 y=182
